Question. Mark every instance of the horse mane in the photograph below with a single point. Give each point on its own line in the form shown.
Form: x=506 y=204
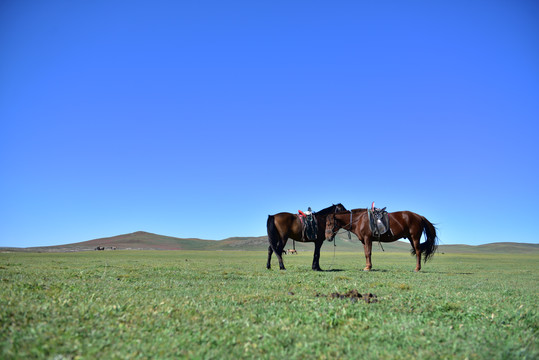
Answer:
x=354 y=211
x=329 y=210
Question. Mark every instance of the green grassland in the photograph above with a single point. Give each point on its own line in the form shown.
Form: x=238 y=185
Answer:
x=226 y=305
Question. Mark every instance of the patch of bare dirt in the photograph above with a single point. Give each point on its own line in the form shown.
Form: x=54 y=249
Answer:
x=353 y=295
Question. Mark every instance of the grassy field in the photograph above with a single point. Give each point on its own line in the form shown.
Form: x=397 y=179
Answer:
x=226 y=305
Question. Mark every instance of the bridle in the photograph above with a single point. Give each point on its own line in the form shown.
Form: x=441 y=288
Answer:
x=349 y=225
x=334 y=232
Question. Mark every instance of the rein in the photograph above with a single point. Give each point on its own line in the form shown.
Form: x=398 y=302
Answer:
x=334 y=233
x=335 y=241
x=349 y=224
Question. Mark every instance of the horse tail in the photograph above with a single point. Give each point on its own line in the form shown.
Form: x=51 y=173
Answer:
x=429 y=247
x=273 y=234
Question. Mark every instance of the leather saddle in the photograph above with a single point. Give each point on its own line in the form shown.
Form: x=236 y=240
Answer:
x=309 y=226
x=378 y=221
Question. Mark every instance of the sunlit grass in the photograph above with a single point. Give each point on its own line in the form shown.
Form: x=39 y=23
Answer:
x=141 y=304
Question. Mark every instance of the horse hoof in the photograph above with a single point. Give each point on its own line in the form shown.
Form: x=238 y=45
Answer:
x=366 y=269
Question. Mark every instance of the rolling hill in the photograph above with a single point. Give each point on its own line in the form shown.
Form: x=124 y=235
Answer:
x=142 y=240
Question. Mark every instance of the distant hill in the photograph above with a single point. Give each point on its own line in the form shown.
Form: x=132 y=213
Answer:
x=493 y=248
x=142 y=240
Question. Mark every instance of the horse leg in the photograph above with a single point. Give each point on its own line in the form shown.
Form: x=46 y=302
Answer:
x=367 y=246
x=279 y=246
x=316 y=258
x=270 y=251
x=417 y=249
x=279 y=253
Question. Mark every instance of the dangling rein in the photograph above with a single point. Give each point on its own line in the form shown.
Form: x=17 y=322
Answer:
x=349 y=230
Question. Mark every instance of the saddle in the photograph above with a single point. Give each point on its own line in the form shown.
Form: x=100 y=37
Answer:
x=378 y=221
x=309 y=225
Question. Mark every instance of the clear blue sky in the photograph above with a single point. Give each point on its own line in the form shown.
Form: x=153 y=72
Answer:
x=200 y=118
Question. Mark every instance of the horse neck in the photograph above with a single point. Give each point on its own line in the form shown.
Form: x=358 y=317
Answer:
x=326 y=211
x=346 y=219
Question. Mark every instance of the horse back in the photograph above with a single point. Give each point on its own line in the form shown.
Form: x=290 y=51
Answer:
x=287 y=223
x=405 y=215
x=405 y=221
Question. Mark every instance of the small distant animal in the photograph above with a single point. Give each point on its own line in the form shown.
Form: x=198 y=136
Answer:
x=100 y=248
x=292 y=251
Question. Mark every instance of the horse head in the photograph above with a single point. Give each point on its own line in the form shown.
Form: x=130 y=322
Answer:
x=331 y=227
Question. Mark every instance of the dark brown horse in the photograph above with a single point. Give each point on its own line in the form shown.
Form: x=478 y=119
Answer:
x=283 y=226
x=403 y=224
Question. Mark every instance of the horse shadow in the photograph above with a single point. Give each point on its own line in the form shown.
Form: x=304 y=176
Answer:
x=332 y=270
x=447 y=272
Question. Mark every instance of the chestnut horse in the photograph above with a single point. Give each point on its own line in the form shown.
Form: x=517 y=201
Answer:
x=403 y=225
x=283 y=226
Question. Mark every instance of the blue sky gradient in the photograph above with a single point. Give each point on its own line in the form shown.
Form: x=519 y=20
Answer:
x=200 y=118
